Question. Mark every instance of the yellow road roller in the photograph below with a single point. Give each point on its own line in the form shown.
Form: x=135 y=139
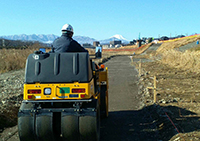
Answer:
x=65 y=95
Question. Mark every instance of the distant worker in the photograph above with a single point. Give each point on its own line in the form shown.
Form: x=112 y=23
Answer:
x=98 y=53
x=65 y=43
x=197 y=42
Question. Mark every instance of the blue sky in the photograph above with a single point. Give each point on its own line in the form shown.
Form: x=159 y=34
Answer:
x=101 y=19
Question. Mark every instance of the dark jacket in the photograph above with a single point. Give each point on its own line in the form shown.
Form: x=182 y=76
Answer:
x=67 y=44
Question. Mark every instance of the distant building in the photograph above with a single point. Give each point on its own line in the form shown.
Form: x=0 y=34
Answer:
x=86 y=45
x=113 y=43
x=118 y=45
x=105 y=46
x=96 y=43
x=112 y=46
x=133 y=42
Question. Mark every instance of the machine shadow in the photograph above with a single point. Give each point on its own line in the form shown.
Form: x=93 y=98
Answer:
x=128 y=126
x=148 y=124
x=184 y=120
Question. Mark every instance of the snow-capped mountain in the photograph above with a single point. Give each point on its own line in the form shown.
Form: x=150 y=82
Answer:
x=116 y=37
x=120 y=37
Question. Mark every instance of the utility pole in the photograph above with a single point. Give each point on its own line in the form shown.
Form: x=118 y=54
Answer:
x=139 y=36
x=139 y=41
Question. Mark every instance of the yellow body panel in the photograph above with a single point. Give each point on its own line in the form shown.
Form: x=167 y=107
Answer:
x=56 y=91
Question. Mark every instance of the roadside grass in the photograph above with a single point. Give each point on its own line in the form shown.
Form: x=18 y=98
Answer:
x=188 y=60
x=13 y=59
x=176 y=44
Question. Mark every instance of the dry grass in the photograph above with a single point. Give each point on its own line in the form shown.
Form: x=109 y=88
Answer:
x=91 y=51
x=188 y=60
x=13 y=59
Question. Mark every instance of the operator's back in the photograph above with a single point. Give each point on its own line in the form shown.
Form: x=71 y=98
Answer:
x=65 y=43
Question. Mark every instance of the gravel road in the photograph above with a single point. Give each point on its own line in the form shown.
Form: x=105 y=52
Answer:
x=128 y=119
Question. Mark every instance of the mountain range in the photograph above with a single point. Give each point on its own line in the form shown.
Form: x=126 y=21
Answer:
x=49 y=38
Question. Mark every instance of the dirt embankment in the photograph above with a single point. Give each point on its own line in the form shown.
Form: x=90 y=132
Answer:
x=178 y=98
x=11 y=88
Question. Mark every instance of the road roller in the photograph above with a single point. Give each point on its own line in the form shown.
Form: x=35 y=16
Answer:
x=65 y=96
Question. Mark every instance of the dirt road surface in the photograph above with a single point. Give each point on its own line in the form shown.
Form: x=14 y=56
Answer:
x=128 y=119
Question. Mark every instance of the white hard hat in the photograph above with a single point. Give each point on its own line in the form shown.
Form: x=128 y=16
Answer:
x=67 y=27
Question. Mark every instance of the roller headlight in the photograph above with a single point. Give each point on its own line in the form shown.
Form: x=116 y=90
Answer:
x=47 y=91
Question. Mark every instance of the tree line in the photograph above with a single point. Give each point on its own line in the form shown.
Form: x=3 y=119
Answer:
x=18 y=44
